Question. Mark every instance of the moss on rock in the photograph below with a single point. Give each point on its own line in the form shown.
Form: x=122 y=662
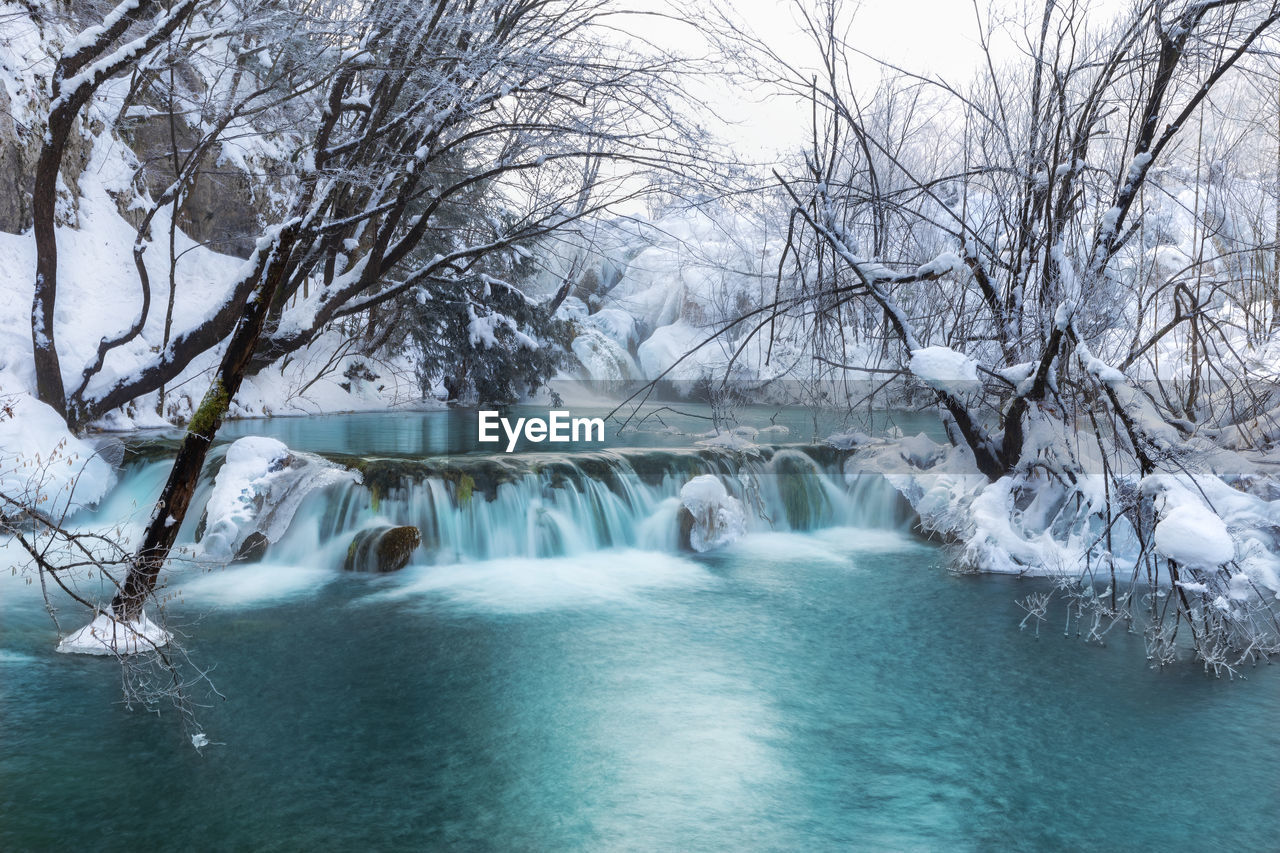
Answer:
x=382 y=549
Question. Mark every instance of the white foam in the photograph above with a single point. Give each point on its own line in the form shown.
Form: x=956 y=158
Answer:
x=835 y=545
x=786 y=547
x=250 y=585
x=519 y=585
x=867 y=540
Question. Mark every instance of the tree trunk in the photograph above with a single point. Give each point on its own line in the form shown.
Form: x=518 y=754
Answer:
x=91 y=64
x=173 y=503
x=44 y=200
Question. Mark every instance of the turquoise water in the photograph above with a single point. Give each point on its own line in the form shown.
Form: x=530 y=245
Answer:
x=827 y=690
x=454 y=431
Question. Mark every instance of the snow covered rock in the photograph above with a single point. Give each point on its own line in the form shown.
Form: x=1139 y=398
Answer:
x=258 y=490
x=667 y=346
x=616 y=324
x=729 y=439
x=849 y=440
x=603 y=358
x=652 y=290
x=718 y=517
x=108 y=636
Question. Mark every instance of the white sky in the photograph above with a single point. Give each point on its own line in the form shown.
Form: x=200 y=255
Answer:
x=939 y=37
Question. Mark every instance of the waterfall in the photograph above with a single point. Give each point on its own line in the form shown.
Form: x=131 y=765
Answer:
x=472 y=507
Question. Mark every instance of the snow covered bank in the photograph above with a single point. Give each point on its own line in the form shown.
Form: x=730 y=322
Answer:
x=99 y=295
x=1032 y=523
x=43 y=465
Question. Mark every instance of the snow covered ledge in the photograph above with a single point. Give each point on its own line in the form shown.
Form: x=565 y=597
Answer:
x=106 y=635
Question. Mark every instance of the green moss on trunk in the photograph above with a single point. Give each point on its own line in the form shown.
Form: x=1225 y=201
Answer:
x=212 y=408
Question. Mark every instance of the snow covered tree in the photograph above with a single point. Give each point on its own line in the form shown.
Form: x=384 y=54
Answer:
x=484 y=340
x=1002 y=241
x=126 y=36
x=395 y=112
x=416 y=106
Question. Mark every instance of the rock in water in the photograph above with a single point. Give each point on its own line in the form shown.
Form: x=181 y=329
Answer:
x=252 y=549
x=799 y=483
x=685 y=534
x=382 y=549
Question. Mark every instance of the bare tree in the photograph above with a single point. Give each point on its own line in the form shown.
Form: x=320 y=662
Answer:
x=1003 y=221
x=398 y=115
x=419 y=111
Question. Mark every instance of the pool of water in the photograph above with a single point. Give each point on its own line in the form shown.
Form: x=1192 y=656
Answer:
x=454 y=431
x=828 y=689
x=834 y=690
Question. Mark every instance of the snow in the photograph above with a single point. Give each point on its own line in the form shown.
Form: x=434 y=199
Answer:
x=849 y=440
x=664 y=286
x=616 y=324
x=729 y=439
x=258 y=489
x=948 y=263
x=1103 y=371
x=1194 y=536
x=666 y=346
x=127 y=52
x=1138 y=166
x=944 y=368
x=98 y=295
x=718 y=517
x=483 y=329
x=996 y=527
x=90 y=34
x=107 y=636
x=603 y=358
x=44 y=466
x=1110 y=220
x=1018 y=373
x=1064 y=169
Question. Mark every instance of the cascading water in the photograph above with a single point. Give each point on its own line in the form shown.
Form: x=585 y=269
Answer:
x=472 y=508
x=479 y=509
